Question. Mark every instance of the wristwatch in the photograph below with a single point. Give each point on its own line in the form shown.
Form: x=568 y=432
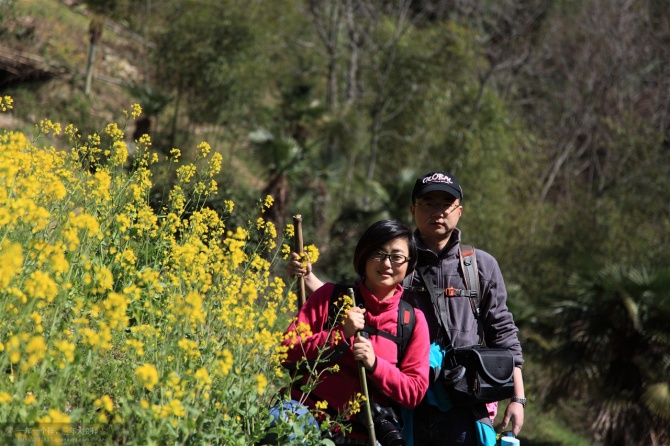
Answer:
x=521 y=401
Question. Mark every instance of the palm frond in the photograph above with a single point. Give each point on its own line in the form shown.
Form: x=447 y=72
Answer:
x=657 y=399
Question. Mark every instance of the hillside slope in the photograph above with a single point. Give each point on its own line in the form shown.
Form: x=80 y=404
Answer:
x=44 y=47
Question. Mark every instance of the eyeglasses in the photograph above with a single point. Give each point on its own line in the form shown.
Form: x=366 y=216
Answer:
x=438 y=207
x=396 y=259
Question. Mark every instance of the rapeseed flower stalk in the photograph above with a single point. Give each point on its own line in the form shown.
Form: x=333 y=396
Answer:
x=160 y=324
x=314 y=371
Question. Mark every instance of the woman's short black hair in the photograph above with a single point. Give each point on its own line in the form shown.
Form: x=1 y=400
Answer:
x=377 y=235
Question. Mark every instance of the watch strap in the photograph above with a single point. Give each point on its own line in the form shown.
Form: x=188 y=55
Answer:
x=521 y=401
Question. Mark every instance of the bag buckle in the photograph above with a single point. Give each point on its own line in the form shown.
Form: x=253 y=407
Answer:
x=457 y=292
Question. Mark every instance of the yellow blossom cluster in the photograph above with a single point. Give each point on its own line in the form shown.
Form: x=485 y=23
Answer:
x=301 y=331
x=116 y=309
x=148 y=375
x=355 y=403
x=312 y=253
x=6 y=103
x=343 y=303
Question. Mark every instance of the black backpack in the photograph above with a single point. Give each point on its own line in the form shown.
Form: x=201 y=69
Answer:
x=406 y=320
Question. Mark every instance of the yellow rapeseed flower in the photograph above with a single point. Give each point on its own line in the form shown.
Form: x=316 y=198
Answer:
x=67 y=349
x=116 y=306
x=191 y=307
x=226 y=363
x=72 y=132
x=105 y=402
x=37 y=320
x=265 y=339
x=355 y=403
x=215 y=164
x=228 y=206
x=104 y=279
x=46 y=126
x=261 y=383
x=40 y=285
x=146 y=221
x=202 y=150
x=128 y=257
x=119 y=154
x=136 y=110
x=124 y=222
x=6 y=103
x=269 y=201
x=185 y=173
x=271 y=231
x=285 y=251
x=177 y=408
x=312 y=253
x=138 y=346
x=161 y=411
x=36 y=350
x=55 y=420
x=190 y=348
x=57 y=260
x=37 y=346
x=11 y=262
x=99 y=186
x=29 y=399
x=148 y=374
x=14 y=349
x=203 y=378
x=114 y=131
x=177 y=199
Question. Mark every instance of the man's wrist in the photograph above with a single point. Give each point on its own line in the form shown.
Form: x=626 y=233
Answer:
x=521 y=401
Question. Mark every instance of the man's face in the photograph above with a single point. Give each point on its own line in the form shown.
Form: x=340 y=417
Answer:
x=436 y=214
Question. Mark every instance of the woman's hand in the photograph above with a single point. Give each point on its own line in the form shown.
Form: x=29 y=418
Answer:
x=353 y=321
x=363 y=351
x=295 y=268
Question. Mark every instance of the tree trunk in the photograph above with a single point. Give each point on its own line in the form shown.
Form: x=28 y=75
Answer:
x=95 y=33
x=354 y=54
x=327 y=25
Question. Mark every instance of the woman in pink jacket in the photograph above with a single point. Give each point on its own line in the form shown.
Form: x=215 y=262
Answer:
x=384 y=255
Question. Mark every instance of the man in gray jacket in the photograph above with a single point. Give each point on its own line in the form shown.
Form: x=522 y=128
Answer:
x=437 y=207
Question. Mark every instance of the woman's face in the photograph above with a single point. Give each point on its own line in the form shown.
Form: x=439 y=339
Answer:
x=382 y=273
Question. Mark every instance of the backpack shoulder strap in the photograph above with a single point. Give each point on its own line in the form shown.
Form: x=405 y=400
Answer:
x=468 y=258
x=406 y=322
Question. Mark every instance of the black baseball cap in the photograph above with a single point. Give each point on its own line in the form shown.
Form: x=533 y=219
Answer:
x=443 y=181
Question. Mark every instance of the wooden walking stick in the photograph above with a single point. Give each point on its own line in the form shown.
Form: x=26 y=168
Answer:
x=369 y=423
x=297 y=224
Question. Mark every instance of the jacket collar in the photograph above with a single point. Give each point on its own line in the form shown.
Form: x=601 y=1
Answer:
x=450 y=249
x=374 y=305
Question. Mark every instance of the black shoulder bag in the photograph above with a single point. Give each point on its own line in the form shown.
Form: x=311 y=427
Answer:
x=475 y=374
